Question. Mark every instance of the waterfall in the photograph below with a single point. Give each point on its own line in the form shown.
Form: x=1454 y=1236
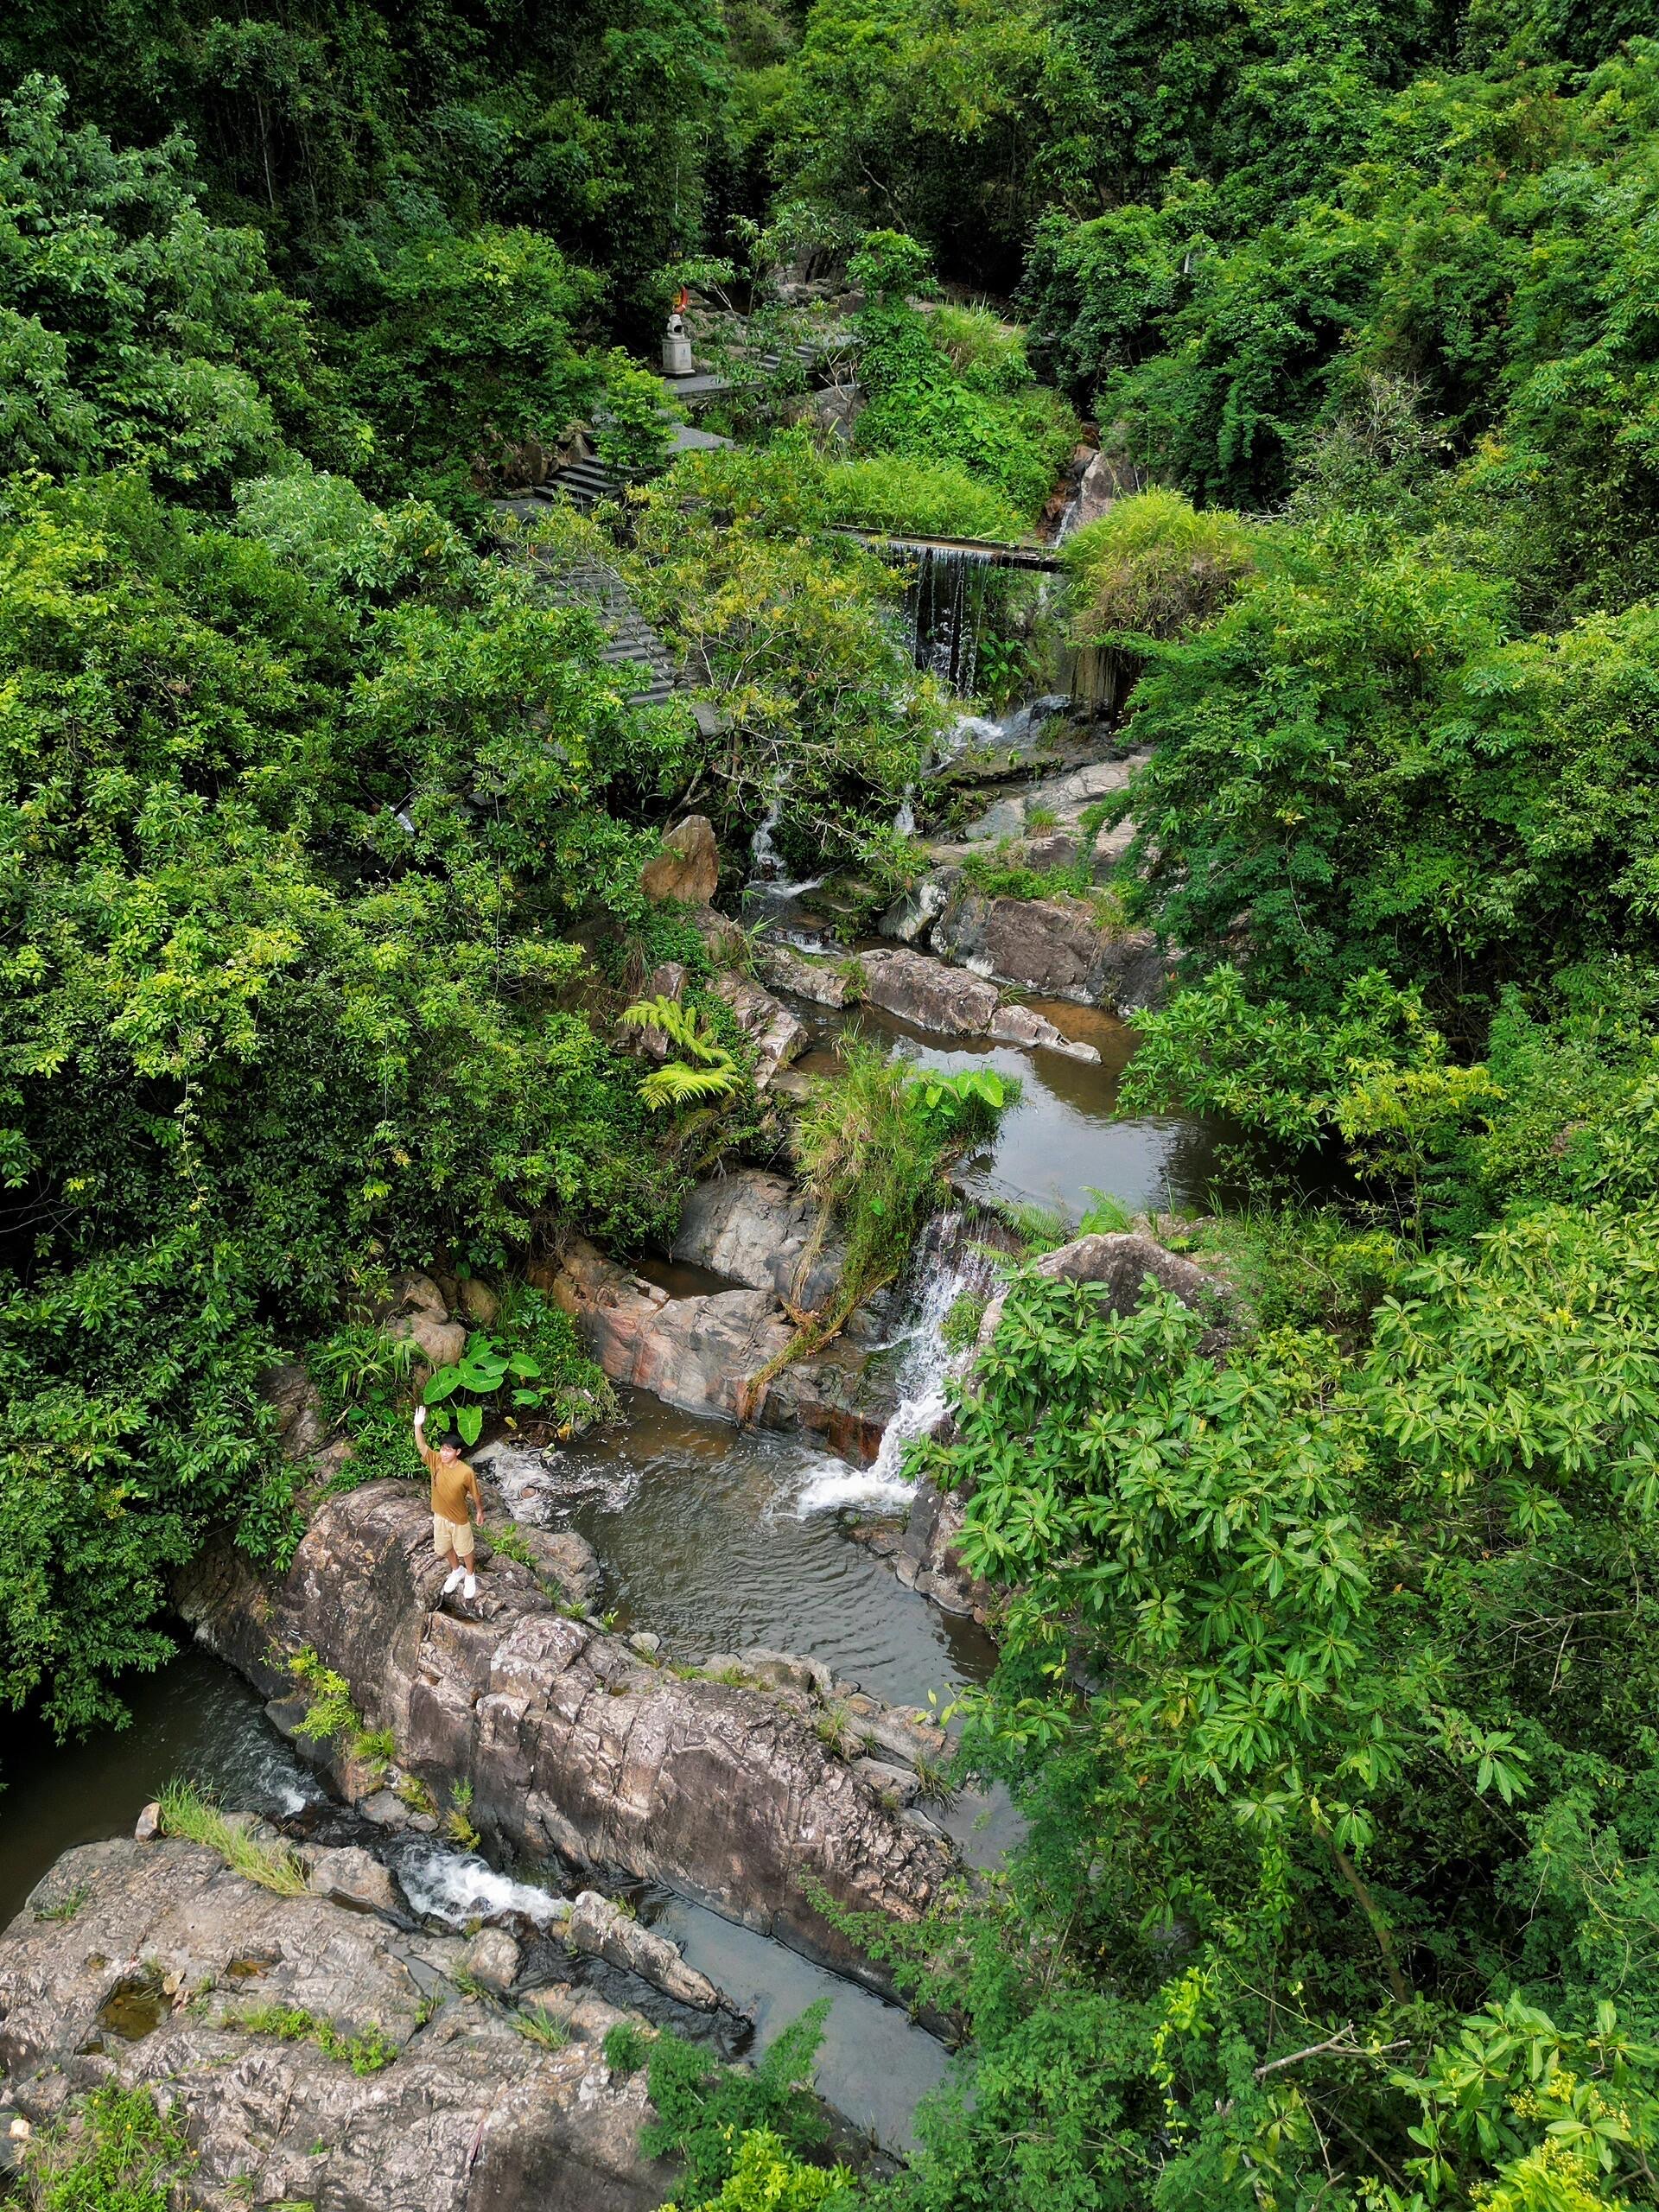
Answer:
x=766 y=864
x=975 y=731
x=944 y=1268
x=904 y=822
x=946 y=604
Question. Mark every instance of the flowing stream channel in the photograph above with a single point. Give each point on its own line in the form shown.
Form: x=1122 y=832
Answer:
x=714 y=1539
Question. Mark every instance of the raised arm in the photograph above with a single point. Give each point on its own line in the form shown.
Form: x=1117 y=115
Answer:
x=421 y=1444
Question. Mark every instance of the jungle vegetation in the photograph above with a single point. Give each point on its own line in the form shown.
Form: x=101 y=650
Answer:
x=1330 y=1645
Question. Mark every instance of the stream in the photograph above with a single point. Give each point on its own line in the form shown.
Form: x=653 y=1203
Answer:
x=1061 y=1145
x=714 y=1540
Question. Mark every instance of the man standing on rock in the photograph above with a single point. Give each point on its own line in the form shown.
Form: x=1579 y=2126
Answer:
x=454 y=1498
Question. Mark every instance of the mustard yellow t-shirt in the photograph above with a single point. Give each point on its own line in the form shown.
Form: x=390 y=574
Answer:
x=453 y=1483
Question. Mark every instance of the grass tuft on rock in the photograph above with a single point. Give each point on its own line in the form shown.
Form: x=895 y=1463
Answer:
x=189 y=1813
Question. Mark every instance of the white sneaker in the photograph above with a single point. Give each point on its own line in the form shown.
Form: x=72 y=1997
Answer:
x=469 y=1588
x=455 y=1579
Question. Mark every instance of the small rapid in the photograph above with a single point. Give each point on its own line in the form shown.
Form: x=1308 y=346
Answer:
x=459 y=1887
x=946 y=1271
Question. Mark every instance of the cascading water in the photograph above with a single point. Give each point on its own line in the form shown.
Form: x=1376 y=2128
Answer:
x=946 y=604
x=461 y=1888
x=766 y=877
x=765 y=862
x=946 y=1269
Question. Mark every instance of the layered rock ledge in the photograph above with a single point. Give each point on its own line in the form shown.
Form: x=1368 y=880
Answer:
x=702 y=1354
x=152 y=1964
x=572 y=1742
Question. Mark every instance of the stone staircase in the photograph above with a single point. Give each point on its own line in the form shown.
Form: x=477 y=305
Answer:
x=630 y=641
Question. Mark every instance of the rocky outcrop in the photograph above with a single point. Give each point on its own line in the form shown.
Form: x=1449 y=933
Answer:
x=926 y=1559
x=1122 y=1262
x=571 y=1743
x=931 y=996
x=702 y=1354
x=1053 y=947
x=149 y=1964
x=928 y=992
x=755 y=1228
x=776 y=1036
x=1058 y=804
x=822 y=983
x=688 y=868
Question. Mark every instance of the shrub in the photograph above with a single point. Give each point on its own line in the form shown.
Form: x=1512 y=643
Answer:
x=915 y=495
x=188 y=1812
x=705 y=2110
x=767 y=2177
x=1152 y=566
x=874 y=1142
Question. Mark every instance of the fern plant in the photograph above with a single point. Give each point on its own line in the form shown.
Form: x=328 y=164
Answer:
x=704 y=1072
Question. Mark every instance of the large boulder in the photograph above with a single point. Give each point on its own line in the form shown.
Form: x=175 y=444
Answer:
x=928 y=993
x=702 y=1354
x=688 y=868
x=571 y=1743
x=416 y=1309
x=139 y=1965
x=755 y=1227
x=1123 y=1262
x=1056 y=948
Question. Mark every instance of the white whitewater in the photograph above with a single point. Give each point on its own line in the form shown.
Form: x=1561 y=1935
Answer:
x=459 y=1887
x=925 y=1371
x=766 y=863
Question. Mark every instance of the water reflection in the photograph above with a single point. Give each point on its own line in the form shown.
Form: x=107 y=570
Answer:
x=193 y=1717
x=1064 y=1139
x=700 y=1528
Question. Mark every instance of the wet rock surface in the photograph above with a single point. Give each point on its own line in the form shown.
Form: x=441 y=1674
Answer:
x=823 y=983
x=149 y=1965
x=571 y=1742
x=931 y=994
x=702 y=1354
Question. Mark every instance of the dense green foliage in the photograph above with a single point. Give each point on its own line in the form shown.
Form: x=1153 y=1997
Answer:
x=734 y=2130
x=592 y=128
x=940 y=392
x=1305 y=1684
x=1328 y=1650
x=116 y=2154
x=874 y=1144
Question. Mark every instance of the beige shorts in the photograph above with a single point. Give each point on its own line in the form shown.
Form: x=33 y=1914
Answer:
x=452 y=1536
